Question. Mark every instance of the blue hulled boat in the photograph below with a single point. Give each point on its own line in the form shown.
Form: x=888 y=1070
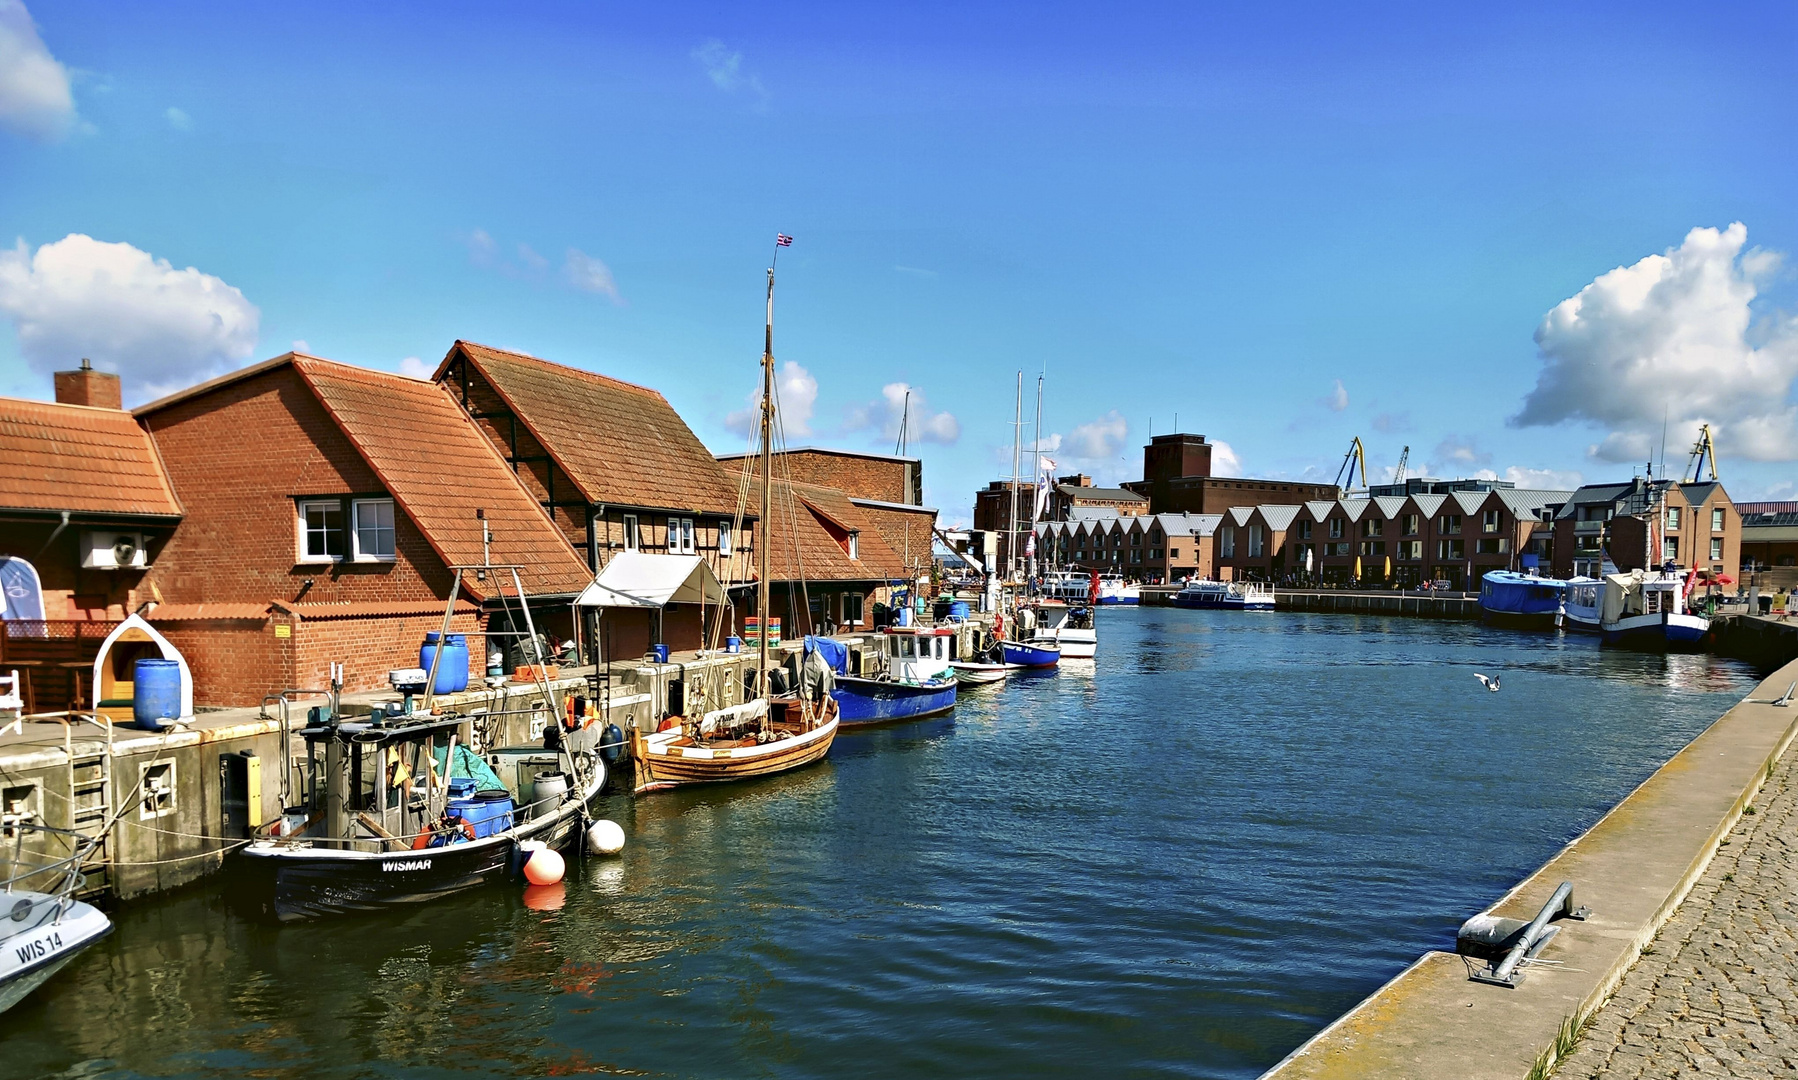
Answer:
x=882 y=701
x=1525 y=601
x=1021 y=654
x=917 y=681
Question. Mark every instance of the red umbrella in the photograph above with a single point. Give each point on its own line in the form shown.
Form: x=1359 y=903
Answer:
x=1719 y=579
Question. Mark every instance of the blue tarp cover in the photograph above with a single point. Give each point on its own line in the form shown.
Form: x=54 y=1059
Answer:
x=835 y=653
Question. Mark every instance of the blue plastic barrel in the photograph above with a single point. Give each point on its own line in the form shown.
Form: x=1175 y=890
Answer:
x=733 y=644
x=958 y=610
x=156 y=693
x=452 y=673
x=661 y=652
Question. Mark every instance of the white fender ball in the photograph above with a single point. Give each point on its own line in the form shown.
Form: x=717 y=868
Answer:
x=544 y=867
x=605 y=838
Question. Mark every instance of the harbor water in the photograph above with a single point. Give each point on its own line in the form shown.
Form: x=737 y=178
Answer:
x=1181 y=859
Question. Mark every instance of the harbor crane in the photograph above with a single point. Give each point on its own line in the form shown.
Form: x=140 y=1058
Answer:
x=1356 y=458
x=1404 y=457
x=1703 y=452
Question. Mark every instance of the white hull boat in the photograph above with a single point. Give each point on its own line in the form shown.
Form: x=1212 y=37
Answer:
x=39 y=935
x=969 y=673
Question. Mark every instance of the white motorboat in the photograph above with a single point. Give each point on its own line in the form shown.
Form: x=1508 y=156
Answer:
x=1071 y=631
x=1580 y=607
x=39 y=934
x=1646 y=610
x=1227 y=595
x=1113 y=589
x=969 y=673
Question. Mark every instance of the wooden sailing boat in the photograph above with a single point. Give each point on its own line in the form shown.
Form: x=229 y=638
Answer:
x=771 y=733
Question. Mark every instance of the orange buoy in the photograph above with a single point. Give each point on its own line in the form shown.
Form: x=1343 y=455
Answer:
x=544 y=867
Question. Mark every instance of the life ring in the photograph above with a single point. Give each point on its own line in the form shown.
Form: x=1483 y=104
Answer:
x=430 y=837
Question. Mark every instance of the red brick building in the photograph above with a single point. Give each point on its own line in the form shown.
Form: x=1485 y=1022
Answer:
x=323 y=505
x=1646 y=523
x=1177 y=478
x=84 y=501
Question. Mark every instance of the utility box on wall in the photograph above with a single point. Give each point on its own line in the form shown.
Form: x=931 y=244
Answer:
x=240 y=794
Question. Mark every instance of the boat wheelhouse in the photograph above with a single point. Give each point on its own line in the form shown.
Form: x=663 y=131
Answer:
x=1580 y=605
x=1071 y=630
x=917 y=680
x=1646 y=610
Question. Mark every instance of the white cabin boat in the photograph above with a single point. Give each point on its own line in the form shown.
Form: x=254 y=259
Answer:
x=1580 y=605
x=1226 y=595
x=1113 y=589
x=1071 y=630
x=1646 y=610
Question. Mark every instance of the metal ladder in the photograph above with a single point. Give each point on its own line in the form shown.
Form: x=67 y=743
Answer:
x=90 y=810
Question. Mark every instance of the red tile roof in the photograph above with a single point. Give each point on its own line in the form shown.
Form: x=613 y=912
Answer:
x=803 y=535
x=81 y=459
x=620 y=443
x=440 y=468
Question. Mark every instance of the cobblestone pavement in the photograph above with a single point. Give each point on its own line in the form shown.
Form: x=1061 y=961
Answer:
x=1718 y=995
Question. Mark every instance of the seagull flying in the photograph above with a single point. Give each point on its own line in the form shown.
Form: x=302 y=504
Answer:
x=1490 y=684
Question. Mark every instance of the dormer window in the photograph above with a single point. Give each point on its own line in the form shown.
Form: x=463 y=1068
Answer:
x=854 y=545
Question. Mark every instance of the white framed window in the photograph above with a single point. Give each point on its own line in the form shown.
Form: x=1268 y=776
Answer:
x=680 y=536
x=321 y=530
x=372 y=533
x=1716 y=547
x=1670 y=550
x=1255 y=542
x=852 y=608
x=854 y=545
x=1489 y=521
x=630 y=532
x=687 y=545
x=1226 y=542
x=724 y=539
x=1717 y=519
x=1673 y=519
x=1335 y=528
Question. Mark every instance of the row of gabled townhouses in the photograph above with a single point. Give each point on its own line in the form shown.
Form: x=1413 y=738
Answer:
x=1452 y=537
x=300 y=512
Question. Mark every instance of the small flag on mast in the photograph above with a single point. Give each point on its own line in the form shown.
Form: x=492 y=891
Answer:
x=783 y=240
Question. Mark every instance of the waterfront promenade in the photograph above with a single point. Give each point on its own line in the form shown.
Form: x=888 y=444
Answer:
x=1716 y=992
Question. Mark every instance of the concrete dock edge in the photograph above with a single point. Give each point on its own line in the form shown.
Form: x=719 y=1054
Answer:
x=1634 y=867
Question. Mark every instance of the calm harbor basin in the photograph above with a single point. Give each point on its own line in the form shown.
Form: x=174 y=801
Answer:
x=1183 y=858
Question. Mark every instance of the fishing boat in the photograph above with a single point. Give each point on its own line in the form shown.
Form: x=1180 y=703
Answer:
x=1113 y=589
x=917 y=680
x=1070 y=630
x=1024 y=654
x=1580 y=606
x=1646 y=610
x=1226 y=595
x=39 y=934
x=1066 y=586
x=781 y=728
x=1522 y=601
x=396 y=807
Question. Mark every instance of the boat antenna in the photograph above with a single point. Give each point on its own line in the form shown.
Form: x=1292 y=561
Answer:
x=1036 y=471
x=904 y=419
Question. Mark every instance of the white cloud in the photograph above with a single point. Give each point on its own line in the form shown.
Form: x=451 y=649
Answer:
x=588 y=274
x=301 y=345
x=1387 y=423
x=884 y=416
x=1337 y=399
x=796 y=395
x=1457 y=456
x=1544 y=479
x=1093 y=448
x=35 y=99
x=482 y=249
x=130 y=312
x=178 y=120
x=534 y=262
x=414 y=368
x=1673 y=337
x=1224 y=461
x=724 y=66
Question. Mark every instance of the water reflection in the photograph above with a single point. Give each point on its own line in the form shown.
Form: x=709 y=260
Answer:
x=1127 y=866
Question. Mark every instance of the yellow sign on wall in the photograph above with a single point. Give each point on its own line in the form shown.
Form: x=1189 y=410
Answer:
x=283 y=630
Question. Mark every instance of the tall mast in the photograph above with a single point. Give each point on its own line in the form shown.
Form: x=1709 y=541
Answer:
x=1036 y=468
x=761 y=584
x=1017 y=438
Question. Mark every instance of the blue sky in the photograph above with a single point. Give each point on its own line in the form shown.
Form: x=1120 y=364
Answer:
x=1287 y=226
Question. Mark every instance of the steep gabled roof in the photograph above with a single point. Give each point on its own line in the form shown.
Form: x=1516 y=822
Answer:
x=81 y=459
x=1469 y=501
x=1239 y=515
x=439 y=468
x=1389 y=505
x=1353 y=509
x=435 y=463
x=619 y=442
x=1320 y=509
x=1697 y=493
x=803 y=537
x=1278 y=516
x=1428 y=504
x=1527 y=502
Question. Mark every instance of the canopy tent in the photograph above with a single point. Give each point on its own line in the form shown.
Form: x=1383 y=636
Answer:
x=634 y=579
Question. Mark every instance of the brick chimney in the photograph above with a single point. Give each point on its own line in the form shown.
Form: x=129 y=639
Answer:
x=86 y=386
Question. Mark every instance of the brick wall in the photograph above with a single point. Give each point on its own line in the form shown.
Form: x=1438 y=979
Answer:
x=861 y=477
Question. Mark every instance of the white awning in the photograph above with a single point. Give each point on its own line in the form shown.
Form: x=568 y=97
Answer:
x=634 y=579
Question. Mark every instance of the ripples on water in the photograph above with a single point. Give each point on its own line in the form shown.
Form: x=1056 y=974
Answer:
x=1182 y=859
